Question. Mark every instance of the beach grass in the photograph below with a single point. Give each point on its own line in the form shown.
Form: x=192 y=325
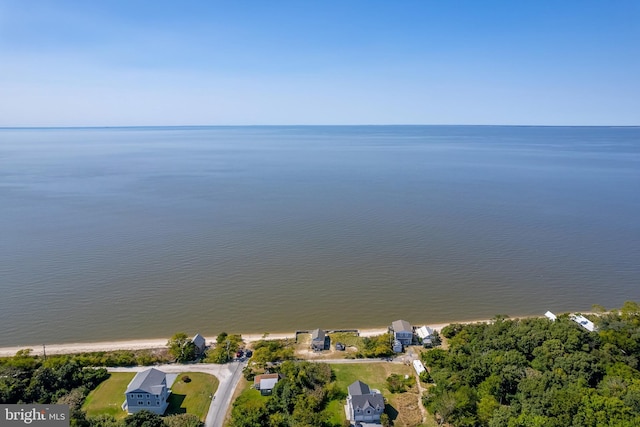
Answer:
x=193 y=397
x=108 y=397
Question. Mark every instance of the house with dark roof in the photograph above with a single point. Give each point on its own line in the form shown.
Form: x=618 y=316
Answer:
x=363 y=404
x=318 y=338
x=147 y=390
x=402 y=331
x=266 y=382
x=200 y=344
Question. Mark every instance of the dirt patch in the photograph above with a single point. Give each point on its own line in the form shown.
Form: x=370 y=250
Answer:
x=407 y=405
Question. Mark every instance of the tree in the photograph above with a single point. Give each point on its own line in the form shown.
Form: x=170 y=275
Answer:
x=144 y=418
x=183 y=420
x=104 y=421
x=182 y=348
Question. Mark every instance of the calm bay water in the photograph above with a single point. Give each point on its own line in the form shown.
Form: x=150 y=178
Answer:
x=127 y=233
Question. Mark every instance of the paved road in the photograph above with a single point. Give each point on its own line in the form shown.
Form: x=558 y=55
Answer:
x=222 y=400
x=228 y=374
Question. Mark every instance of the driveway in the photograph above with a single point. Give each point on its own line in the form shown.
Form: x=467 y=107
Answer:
x=228 y=374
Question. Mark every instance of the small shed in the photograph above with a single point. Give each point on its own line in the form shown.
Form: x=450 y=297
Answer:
x=549 y=315
x=266 y=382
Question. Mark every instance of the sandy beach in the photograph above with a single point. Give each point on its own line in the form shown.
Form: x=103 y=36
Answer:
x=147 y=344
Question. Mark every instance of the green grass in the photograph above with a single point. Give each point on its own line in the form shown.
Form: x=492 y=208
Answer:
x=350 y=339
x=108 y=397
x=193 y=397
x=372 y=374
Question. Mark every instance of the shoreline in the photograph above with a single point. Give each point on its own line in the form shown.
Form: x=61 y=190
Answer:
x=156 y=343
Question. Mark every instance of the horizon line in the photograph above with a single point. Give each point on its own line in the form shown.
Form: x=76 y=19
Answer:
x=302 y=125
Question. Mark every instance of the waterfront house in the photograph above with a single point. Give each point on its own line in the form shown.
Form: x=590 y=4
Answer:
x=200 y=344
x=266 y=382
x=364 y=404
x=425 y=333
x=318 y=338
x=402 y=331
x=147 y=390
x=584 y=322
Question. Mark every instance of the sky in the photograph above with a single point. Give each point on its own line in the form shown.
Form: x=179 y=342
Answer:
x=137 y=63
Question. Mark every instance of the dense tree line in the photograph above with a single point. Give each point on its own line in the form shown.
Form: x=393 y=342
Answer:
x=99 y=358
x=28 y=379
x=535 y=372
x=299 y=399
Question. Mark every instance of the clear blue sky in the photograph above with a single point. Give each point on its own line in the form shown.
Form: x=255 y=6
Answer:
x=85 y=63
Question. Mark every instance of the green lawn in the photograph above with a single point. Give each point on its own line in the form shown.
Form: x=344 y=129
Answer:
x=404 y=405
x=108 y=397
x=347 y=338
x=192 y=397
x=375 y=375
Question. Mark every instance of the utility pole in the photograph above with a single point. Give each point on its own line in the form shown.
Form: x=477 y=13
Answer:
x=44 y=351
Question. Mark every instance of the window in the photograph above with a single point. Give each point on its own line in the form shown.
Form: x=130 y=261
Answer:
x=140 y=403
x=148 y=403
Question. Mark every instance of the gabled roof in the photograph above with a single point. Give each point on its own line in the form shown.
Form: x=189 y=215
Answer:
x=401 y=326
x=358 y=388
x=424 y=332
x=267 y=381
x=199 y=341
x=362 y=397
x=317 y=335
x=150 y=381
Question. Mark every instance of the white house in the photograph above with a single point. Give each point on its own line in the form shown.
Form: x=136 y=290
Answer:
x=584 y=322
x=425 y=333
x=147 y=390
x=551 y=316
x=364 y=404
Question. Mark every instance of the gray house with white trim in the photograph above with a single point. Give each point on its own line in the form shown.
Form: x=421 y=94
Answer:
x=403 y=331
x=364 y=404
x=147 y=390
